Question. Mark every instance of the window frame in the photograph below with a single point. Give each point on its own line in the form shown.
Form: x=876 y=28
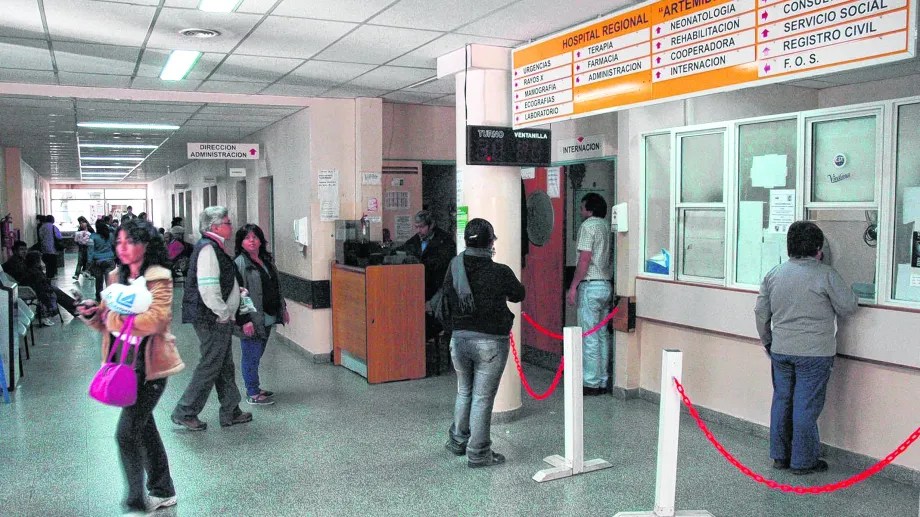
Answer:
x=886 y=113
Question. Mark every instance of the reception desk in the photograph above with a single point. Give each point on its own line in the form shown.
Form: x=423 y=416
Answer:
x=378 y=321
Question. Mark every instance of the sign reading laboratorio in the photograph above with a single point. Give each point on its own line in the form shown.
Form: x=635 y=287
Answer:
x=219 y=151
x=668 y=49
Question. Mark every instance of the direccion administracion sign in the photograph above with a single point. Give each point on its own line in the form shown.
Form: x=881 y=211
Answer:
x=223 y=151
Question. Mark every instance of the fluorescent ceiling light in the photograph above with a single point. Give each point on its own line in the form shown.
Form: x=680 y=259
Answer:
x=120 y=146
x=103 y=174
x=123 y=125
x=113 y=158
x=219 y=6
x=108 y=166
x=179 y=64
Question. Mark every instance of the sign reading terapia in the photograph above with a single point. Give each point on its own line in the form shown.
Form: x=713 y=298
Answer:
x=671 y=49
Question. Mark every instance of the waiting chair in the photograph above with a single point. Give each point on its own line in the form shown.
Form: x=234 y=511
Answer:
x=27 y=294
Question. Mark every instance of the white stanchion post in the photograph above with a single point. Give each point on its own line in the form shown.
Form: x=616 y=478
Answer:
x=668 y=431
x=574 y=461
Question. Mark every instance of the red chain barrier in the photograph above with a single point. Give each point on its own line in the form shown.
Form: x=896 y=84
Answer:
x=530 y=391
x=546 y=332
x=800 y=490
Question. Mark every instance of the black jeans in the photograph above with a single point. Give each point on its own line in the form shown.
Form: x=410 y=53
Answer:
x=81 y=261
x=51 y=264
x=140 y=447
x=101 y=270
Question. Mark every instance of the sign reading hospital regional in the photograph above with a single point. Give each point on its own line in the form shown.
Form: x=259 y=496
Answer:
x=217 y=151
x=669 y=49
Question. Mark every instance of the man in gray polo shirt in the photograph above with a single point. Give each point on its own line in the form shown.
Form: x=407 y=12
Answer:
x=796 y=315
x=592 y=289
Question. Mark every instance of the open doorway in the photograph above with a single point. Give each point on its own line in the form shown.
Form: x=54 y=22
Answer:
x=439 y=194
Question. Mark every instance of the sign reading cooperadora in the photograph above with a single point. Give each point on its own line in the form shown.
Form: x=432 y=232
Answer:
x=221 y=151
x=668 y=49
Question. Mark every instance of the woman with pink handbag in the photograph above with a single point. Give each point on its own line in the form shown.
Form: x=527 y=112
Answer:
x=137 y=309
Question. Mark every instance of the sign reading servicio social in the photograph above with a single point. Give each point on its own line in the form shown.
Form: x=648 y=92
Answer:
x=669 y=49
x=221 y=151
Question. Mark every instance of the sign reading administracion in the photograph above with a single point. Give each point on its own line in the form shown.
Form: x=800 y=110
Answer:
x=218 y=151
x=668 y=49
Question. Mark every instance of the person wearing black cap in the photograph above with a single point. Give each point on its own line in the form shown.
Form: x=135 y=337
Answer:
x=481 y=321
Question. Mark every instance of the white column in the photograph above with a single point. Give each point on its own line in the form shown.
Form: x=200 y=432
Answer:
x=483 y=81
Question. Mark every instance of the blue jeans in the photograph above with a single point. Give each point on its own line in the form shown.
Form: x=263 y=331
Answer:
x=479 y=363
x=593 y=306
x=799 y=386
x=252 y=349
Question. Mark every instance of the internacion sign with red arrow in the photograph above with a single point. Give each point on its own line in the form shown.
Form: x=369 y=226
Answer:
x=223 y=151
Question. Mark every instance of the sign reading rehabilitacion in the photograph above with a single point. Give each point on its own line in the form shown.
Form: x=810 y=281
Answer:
x=223 y=151
x=670 y=49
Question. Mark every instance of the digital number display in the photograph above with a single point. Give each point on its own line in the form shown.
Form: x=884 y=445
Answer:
x=492 y=145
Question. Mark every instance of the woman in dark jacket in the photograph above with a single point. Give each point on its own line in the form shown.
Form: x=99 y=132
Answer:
x=260 y=278
x=479 y=345
x=34 y=277
x=101 y=253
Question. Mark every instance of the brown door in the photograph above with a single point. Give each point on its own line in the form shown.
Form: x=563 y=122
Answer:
x=543 y=270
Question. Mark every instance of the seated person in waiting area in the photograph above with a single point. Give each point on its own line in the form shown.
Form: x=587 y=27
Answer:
x=34 y=277
x=17 y=268
x=16 y=265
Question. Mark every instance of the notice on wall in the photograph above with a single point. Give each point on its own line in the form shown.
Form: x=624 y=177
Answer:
x=528 y=173
x=782 y=210
x=769 y=171
x=327 y=183
x=403 y=228
x=552 y=182
x=915 y=251
x=663 y=50
x=463 y=217
x=373 y=204
x=371 y=178
x=460 y=198
x=236 y=172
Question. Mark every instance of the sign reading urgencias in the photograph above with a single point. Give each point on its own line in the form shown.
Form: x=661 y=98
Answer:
x=668 y=49
x=222 y=151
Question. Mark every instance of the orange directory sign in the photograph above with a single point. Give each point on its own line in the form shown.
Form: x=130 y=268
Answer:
x=671 y=49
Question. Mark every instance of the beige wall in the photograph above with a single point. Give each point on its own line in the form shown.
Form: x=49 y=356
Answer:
x=25 y=193
x=867 y=402
x=415 y=132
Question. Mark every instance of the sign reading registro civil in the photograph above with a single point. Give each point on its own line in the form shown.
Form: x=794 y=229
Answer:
x=222 y=151
x=670 y=49
x=493 y=145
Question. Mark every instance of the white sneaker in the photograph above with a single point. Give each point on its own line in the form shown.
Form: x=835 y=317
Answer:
x=154 y=503
x=46 y=322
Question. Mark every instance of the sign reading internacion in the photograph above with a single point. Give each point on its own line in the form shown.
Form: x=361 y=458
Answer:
x=217 y=151
x=668 y=49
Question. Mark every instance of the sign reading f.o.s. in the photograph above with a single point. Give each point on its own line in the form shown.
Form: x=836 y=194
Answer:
x=222 y=151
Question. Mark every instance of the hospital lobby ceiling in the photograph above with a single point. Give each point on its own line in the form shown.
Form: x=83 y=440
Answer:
x=68 y=62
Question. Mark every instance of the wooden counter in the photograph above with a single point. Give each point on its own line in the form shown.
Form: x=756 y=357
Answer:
x=378 y=321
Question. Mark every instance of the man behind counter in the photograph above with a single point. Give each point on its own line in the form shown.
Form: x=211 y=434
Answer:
x=434 y=248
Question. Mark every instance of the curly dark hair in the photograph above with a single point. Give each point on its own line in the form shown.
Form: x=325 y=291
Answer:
x=140 y=231
x=804 y=239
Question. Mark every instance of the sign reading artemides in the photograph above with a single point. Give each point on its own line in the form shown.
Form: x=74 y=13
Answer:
x=219 y=151
x=668 y=49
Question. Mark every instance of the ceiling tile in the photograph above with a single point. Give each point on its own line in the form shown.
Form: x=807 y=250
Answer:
x=232 y=26
x=25 y=53
x=255 y=68
x=447 y=100
x=533 y=19
x=292 y=37
x=100 y=59
x=354 y=92
x=393 y=77
x=83 y=20
x=376 y=45
x=442 y=15
x=231 y=87
x=94 y=80
x=21 y=19
x=325 y=73
x=340 y=10
x=155 y=83
x=294 y=90
x=411 y=97
x=427 y=55
x=253 y=6
x=153 y=61
x=11 y=75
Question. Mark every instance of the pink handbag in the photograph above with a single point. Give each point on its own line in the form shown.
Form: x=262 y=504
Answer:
x=115 y=384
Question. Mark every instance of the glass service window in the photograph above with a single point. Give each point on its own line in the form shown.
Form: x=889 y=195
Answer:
x=658 y=204
x=703 y=243
x=701 y=209
x=906 y=253
x=702 y=169
x=844 y=160
x=767 y=172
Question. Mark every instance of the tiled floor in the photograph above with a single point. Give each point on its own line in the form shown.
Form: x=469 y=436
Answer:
x=335 y=446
